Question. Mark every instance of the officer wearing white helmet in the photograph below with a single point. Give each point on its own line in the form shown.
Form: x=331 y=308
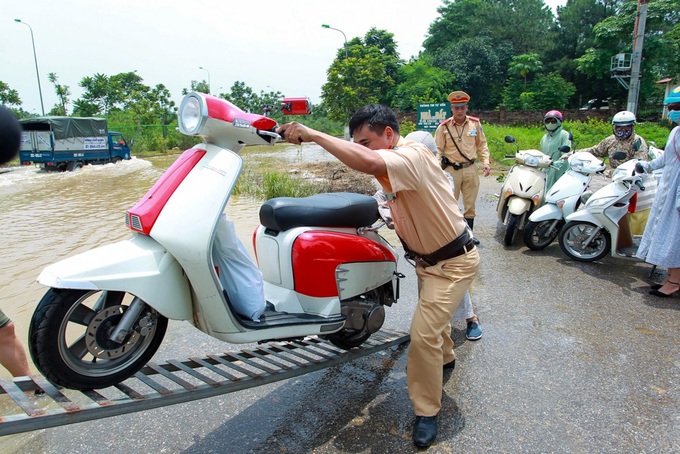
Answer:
x=623 y=139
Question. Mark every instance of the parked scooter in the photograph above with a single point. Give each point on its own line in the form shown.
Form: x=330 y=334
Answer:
x=523 y=190
x=562 y=199
x=326 y=270
x=601 y=227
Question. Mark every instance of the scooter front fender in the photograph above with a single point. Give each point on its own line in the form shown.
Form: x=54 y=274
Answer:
x=139 y=266
x=584 y=216
x=547 y=212
x=518 y=205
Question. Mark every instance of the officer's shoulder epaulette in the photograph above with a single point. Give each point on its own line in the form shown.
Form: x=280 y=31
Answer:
x=474 y=119
x=448 y=120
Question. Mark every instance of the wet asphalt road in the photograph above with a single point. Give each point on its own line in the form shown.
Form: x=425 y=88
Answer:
x=575 y=358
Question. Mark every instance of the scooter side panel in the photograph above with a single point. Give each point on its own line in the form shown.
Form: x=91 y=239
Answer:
x=186 y=228
x=139 y=266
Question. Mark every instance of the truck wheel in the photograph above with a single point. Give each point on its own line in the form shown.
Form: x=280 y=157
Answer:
x=116 y=159
x=73 y=165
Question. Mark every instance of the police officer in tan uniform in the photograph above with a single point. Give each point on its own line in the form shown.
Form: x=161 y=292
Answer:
x=427 y=219
x=461 y=144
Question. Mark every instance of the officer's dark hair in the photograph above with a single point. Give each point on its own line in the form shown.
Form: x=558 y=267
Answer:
x=10 y=135
x=376 y=116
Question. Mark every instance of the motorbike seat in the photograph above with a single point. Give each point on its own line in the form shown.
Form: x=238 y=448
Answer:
x=339 y=209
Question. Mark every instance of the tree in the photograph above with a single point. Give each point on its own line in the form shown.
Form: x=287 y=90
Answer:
x=9 y=96
x=63 y=92
x=523 y=65
x=421 y=83
x=243 y=97
x=661 y=53
x=478 y=66
x=367 y=76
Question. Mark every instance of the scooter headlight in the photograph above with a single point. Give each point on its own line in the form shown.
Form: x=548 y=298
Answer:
x=192 y=115
x=532 y=161
x=603 y=201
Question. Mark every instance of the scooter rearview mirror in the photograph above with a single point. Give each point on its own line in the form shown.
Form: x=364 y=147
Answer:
x=564 y=149
x=296 y=106
x=509 y=139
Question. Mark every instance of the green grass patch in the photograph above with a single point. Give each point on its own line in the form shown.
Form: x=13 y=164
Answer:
x=275 y=184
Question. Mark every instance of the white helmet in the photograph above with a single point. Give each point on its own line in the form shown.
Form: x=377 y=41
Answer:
x=423 y=137
x=623 y=124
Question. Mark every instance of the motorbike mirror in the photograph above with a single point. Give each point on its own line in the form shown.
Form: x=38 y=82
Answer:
x=637 y=144
x=296 y=106
x=619 y=155
x=509 y=139
x=564 y=149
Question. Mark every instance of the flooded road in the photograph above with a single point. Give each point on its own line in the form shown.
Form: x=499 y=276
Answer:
x=48 y=216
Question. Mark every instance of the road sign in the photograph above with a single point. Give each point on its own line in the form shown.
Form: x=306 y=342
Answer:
x=431 y=114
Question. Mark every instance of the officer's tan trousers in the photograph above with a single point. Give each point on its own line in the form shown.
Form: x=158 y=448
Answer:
x=441 y=288
x=466 y=180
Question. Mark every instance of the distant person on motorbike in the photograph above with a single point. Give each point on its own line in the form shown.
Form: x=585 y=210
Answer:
x=430 y=224
x=554 y=138
x=623 y=139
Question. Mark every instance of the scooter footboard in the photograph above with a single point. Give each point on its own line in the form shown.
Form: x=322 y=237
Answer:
x=139 y=266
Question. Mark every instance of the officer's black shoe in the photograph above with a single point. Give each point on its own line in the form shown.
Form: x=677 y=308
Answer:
x=424 y=431
x=450 y=366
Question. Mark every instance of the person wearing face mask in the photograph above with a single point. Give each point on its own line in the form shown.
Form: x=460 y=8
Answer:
x=660 y=244
x=623 y=139
x=554 y=138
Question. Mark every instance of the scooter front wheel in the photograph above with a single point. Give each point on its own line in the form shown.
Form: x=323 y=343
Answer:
x=511 y=229
x=538 y=235
x=574 y=241
x=69 y=337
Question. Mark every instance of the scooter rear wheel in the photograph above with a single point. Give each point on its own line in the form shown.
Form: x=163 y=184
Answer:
x=573 y=241
x=538 y=235
x=69 y=338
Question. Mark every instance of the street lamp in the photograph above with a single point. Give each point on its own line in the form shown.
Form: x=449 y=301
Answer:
x=201 y=67
x=343 y=34
x=35 y=57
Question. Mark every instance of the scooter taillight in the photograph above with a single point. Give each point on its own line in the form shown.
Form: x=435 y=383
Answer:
x=143 y=215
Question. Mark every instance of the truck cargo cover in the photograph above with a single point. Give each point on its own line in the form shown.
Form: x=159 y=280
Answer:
x=67 y=127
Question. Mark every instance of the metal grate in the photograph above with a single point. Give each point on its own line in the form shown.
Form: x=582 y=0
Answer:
x=176 y=381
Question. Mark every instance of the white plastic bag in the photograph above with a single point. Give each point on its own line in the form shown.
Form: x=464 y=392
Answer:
x=239 y=275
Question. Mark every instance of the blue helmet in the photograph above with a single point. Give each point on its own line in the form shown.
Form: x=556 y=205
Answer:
x=674 y=98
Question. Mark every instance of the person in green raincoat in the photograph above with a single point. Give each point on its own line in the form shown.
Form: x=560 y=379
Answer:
x=554 y=138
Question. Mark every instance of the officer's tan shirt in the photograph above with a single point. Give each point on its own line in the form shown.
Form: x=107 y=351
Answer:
x=469 y=137
x=425 y=213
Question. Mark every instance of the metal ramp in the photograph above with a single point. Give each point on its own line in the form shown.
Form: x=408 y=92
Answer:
x=173 y=382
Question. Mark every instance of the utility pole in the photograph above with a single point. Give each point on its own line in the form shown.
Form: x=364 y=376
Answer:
x=638 y=38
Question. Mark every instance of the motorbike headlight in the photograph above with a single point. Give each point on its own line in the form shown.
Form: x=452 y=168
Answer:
x=532 y=161
x=601 y=201
x=192 y=115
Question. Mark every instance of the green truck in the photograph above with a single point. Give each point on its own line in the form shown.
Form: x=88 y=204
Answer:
x=68 y=143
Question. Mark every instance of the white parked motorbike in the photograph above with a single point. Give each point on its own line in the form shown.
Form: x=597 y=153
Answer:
x=523 y=190
x=562 y=199
x=601 y=228
x=326 y=270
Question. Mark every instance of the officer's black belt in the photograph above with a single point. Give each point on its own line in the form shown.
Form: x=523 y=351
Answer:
x=461 y=245
x=462 y=165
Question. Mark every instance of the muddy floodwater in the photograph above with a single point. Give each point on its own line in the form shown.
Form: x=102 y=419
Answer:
x=48 y=216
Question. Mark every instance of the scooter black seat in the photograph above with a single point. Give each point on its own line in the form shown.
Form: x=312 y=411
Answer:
x=338 y=209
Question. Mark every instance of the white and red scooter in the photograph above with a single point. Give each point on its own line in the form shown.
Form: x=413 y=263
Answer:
x=326 y=270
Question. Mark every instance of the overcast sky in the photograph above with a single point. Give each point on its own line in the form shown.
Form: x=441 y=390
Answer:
x=269 y=45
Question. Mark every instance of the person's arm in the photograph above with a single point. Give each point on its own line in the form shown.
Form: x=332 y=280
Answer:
x=483 y=150
x=440 y=140
x=352 y=154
